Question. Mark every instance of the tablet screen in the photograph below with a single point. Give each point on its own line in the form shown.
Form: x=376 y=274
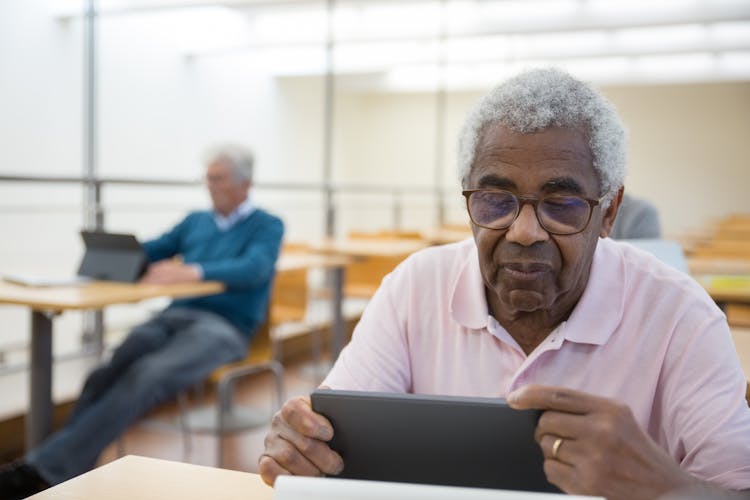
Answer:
x=448 y=440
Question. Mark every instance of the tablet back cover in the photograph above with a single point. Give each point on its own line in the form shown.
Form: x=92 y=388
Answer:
x=476 y=442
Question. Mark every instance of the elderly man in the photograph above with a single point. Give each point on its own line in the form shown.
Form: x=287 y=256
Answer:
x=236 y=243
x=631 y=361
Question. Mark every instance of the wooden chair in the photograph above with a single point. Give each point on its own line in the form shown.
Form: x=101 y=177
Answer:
x=288 y=304
x=738 y=315
x=227 y=417
x=363 y=277
x=289 y=313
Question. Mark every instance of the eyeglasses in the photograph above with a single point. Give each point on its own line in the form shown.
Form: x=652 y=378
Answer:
x=557 y=214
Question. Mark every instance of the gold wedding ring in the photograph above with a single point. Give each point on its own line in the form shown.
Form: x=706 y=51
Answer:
x=556 y=447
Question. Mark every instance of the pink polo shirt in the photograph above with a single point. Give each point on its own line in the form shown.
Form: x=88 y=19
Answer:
x=642 y=333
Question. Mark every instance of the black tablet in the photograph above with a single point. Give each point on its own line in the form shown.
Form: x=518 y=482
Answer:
x=112 y=257
x=447 y=440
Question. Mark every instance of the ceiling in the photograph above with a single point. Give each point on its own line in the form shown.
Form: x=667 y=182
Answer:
x=458 y=44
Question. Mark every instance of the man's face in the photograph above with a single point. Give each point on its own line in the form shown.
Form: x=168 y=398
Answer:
x=526 y=269
x=226 y=191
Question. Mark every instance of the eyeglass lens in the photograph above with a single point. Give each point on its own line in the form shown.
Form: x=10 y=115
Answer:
x=557 y=214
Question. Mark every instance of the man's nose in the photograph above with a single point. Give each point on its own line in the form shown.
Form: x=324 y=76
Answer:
x=526 y=229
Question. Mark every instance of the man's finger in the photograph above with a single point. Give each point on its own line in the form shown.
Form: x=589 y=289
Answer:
x=306 y=431
x=269 y=469
x=560 y=474
x=299 y=415
x=313 y=450
x=564 y=424
x=542 y=397
x=289 y=457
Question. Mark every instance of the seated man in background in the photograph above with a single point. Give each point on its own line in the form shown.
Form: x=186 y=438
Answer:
x=631 y=362
x=236 y=243
x=636 y=219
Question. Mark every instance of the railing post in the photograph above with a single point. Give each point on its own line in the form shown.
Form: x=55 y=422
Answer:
x=398 y=209
x=92 y=336
x=328 y=110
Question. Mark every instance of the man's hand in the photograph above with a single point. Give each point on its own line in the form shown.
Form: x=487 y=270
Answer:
x=593 y=446
x=170 y=271
x=296 y=444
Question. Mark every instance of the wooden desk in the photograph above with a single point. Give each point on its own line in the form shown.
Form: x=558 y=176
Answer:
x=134 y=477
x=444 y=236
x=335 y=265
x=46 y=302
x=705 y=265
x=378 y=256
x=368 y=248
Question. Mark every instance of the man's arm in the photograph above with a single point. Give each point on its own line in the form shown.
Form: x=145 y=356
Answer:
x=250 y=269
x=171 y=271
x=594 y=446
x=167 y=245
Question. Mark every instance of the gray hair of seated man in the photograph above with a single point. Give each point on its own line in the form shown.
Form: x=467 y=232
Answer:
x=238 y=158
x=542 y=98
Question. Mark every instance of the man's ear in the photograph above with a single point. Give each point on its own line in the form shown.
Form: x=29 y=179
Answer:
x=610 y=214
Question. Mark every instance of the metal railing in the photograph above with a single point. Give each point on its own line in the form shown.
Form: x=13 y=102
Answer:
x=94 y=209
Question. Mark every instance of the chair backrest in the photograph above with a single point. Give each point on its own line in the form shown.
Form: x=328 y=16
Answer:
x=290 y=296
x=363 y=276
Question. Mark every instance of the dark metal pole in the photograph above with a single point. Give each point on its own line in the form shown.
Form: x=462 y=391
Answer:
x=93 y=214
x=92 y=217
x=39 y=418
x=328 y=110
x=440 y=99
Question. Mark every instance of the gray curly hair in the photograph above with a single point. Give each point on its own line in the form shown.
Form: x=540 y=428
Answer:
x=541 y=98
x=238 y=158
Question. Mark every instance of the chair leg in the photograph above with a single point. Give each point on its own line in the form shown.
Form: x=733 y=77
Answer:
x=183 y=406
x=317 y=348
x=278 y=377
x=224 y=395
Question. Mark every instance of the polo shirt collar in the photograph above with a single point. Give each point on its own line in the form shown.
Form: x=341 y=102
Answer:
x=241 y=212
x=594 y=318
x=602 y=305
x=468 y=303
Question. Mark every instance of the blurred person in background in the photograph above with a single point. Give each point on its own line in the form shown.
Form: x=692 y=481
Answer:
x=236 y=243
x=637 y=218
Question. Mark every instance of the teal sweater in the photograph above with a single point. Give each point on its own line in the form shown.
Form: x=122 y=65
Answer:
x=243 y=258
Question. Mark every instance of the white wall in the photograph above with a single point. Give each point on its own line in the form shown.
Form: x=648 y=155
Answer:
x=689 y=149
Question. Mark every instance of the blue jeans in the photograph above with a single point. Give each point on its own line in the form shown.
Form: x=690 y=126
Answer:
x=176 y=349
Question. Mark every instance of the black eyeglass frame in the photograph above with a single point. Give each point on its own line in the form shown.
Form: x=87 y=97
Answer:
x=521 y=200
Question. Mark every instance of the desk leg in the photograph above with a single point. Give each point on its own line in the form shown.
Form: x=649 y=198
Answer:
x=337 y=301
x=39 y=417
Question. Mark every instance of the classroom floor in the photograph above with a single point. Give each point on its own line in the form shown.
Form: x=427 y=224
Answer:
x=158 y=435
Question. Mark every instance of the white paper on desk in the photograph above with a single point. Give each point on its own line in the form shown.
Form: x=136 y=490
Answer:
x=319 y=488
x=41 y=280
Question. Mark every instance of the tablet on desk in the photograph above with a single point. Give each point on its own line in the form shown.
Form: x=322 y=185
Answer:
x=112 y=257
x=108 y=256
x=446 y=440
